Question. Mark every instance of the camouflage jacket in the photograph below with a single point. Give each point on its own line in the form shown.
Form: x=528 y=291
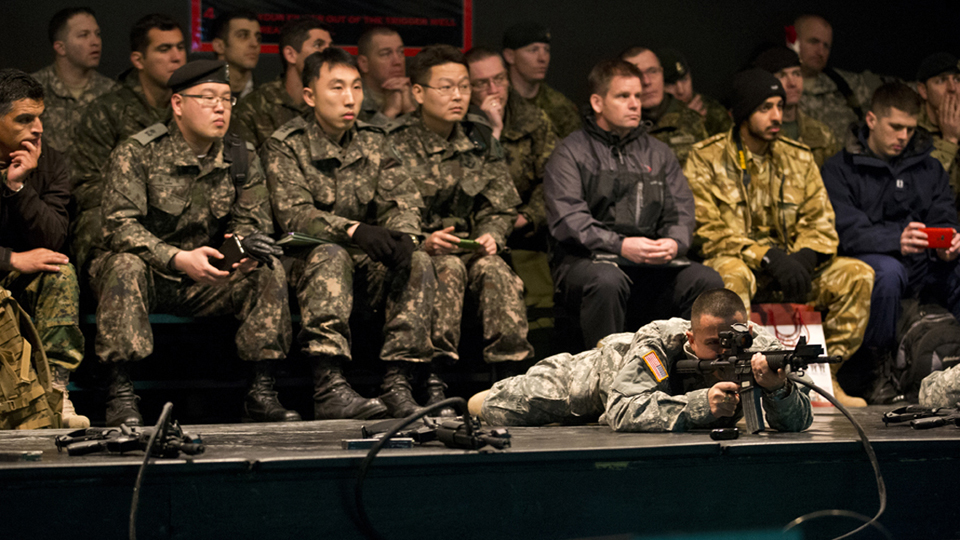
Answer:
x=818 y=137
x=677 y=126
x=822 y=100
x=160 y=199
x=785 y=204
x=322 y=189
x=717 y=120
x=62 y=111
x=637 y=384
x=941 y=388
x=370 y=109
x=462 y=181
x=562 y=112
x=108 y=120
x=263 y=111
x=944 y=151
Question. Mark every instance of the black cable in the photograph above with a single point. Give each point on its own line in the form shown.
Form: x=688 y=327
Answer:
x=364 y=521
x=881 y=487
x=159 y=432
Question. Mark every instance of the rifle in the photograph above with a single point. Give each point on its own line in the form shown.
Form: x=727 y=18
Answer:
x=923 y=417
x=123 y=439
x=735 y=342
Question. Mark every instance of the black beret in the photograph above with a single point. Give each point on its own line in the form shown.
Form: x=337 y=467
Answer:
x=675 y=66
x=777 y=58
x=750 y=89
x=935 y=64
x=524 y=33
x=197 y=72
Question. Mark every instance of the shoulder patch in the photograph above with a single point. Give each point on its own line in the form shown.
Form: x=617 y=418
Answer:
x=478 y=119
x=655 y=366
x=366 y=126
x=793 y=143
x=710 y=140
x=150 y=134
x=286 y=130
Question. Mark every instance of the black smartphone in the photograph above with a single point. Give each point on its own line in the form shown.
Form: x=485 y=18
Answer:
x=232 y=253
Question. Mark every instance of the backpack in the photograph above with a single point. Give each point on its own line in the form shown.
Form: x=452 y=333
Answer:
x=27 y=400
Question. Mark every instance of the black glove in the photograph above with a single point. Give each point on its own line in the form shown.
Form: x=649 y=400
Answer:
x=377 y=242
x=792 y=274
x=261 y=247
x=402 y=250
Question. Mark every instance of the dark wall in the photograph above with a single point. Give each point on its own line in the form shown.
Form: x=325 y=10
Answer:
x=885 y=36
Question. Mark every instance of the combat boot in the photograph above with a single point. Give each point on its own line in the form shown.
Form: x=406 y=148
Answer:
x=69 y=416
x=435 y=387
x=261 y=403
x=397 y=392
x=121 y=399
x=333 y=398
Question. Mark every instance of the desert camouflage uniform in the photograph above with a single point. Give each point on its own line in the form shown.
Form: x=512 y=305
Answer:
x=322 y=189
x=466 y=184
x=717 y=120
x=944 y=151
x=678 y=127
x=615 y=382
x=62 y=111
x=159 y=199
x=562 y=112
x=785 y=206
x=263 y=111
x=822 y=100
x=941 y=388
x=108 y=120
x=817 y=136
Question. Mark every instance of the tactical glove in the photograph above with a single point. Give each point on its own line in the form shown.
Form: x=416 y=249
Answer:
x=261 y=247
x=375 y=241
x=402 y=250
x=790 y=273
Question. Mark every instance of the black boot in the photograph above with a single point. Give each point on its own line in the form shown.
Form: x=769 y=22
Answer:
x=333 y=398
x=121 y=400
x=435 y=387
x=261 y=403
x=397 y=392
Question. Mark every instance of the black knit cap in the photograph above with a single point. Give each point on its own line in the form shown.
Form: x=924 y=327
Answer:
x=750 y=89
x=935 y=64
x=675 y=66
x=198 y=72
x=777 y=58
x=524 y=33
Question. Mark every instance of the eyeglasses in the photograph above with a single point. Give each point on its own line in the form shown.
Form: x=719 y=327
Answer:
x=447 y=89
x=498 y=81
x=211 y=102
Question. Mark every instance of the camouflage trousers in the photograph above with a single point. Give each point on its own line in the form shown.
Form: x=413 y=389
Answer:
x=85 y=232
x=329 y=281
x=53 y=302
x=842 y=287
x=129 y=290
x=498 y=294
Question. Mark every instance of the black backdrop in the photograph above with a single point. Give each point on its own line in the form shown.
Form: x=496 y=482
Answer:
x=885 y=36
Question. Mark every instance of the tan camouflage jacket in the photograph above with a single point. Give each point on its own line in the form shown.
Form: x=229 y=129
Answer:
x=822 y=100
x=786 y=208
x=160 y=199
x=562 y=112
x=944 y=151
x=62 y=111
x=263 y=111
x=941 y=388
x=461 y=181
x=818 y=137
x=679 y=128
x=321 y=189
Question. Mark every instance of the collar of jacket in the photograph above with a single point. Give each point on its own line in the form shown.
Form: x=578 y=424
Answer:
x=183 y=155
x=919 y=147
x=322 y=148
x=615 y=142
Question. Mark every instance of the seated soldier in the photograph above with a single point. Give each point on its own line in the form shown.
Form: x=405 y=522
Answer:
x=172 y=191
x=630 y=383
x=386 y=87
x=678 y=82
x=323 y=174
x=938 y=83
x=35 y=187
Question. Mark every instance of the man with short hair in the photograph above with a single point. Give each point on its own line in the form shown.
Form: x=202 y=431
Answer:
x=172 y=192
x=784 y=64
x=324 y=178
x=886 y=188
x=621 y=214
x=665 y=117
x=71 y=82
x=34 y=193
x=678 y=82
x=236 y=40
x=386 y=87
x=938 y=83
x=629 y=381
x=275 y=103
x=765 y=222
x=157 y=49
x=526 y=49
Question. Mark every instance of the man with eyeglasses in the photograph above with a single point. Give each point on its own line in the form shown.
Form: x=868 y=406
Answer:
x=665 y=117
x=938 y=83
x=469 y=208
x=173 y=193
x=386 y=87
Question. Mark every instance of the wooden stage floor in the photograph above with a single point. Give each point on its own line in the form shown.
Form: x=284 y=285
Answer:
x=294 y=481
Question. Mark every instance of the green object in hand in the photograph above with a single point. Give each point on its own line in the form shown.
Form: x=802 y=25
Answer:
x=469 y=245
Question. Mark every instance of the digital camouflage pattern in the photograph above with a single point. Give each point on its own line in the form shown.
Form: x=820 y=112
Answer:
x=717 y=120
x=562 y=112
x=944 y=151
x=817 y=137
x=465 y=183
x=822 y=100
x=264 y=111
x=785 y=206
x=679 y=128
x=370 y=109
x=160 y=199
x=941 y=388
x=614 y=383
x=321 y=188
x=62 y=111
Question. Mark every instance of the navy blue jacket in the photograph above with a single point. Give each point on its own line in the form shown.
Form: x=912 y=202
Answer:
x=874 y=200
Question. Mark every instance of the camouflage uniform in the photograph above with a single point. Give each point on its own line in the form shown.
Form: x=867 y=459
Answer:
x=62 y=111
x=370 y=109
x=262 y=112
x=322 y=189
x=717 y=120
x=941 y=388
x=562 y=112
x=785 y=206
x=817 y=136
x=676 y=126
x=615 y=382
x=944 y=151
x=466 y=184
x=108 y=120
x=160 y=199
x=822 y=100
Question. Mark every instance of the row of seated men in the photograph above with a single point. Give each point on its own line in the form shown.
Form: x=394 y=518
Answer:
x=394 y=197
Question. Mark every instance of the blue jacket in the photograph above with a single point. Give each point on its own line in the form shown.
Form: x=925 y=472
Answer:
x=874 y=200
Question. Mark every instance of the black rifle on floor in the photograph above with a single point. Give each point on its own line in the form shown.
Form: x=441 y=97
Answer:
x=452 y=432
x=123 y=439
x=735 y=342
x=923 y=417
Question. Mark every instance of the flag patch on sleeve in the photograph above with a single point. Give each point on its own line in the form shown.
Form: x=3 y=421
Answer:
x=656 y=366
